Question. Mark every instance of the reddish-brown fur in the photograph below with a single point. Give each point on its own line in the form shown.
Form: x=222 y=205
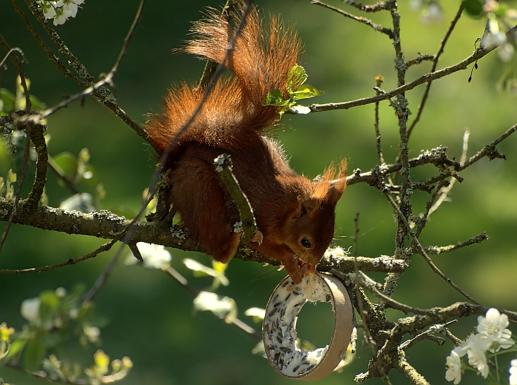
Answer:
x=294 y=214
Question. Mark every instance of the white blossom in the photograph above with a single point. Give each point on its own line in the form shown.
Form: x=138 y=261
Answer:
x=477 y=347
x=506 y=52
x=492 y=40
x=335 y=252
x=255 y=313
x=59 y=11
x=453 y=363
x=30 y=309
x=299 y=109
x=92 y=333
x=61 y=292
x=415 y=5
x=432 y=13
x=70 y=9
x=60 y=17
x=49 y=11
x=513 y=372
x=223 y=307
x=154 y=256
x=217 y=272
x=493 y=328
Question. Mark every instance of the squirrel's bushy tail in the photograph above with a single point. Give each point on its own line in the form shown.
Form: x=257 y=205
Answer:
x=260 y=63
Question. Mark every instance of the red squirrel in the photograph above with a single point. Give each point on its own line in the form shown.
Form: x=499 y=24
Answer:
x=294 y=214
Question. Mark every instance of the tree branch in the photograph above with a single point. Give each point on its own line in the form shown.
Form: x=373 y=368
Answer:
x=104 y=224
x=360 y=19
x=223 y=167
x=476 y=55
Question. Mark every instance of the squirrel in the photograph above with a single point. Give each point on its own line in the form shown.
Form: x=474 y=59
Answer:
x=294 y=215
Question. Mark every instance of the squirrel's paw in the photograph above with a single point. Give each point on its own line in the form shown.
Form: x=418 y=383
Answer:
x=258 y=237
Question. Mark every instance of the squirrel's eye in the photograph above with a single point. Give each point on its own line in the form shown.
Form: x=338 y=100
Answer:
x=303 y=211
x=306 y=243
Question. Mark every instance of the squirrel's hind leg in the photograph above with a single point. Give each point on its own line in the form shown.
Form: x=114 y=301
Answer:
x=201 y=201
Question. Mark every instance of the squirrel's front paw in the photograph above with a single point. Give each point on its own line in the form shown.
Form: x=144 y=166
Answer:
x=258 y=237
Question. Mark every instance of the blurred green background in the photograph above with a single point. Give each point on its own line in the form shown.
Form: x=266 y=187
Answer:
x=151 y=319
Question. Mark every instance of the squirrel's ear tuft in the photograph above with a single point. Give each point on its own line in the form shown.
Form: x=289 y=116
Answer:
x=332 y=183
x=336 y=188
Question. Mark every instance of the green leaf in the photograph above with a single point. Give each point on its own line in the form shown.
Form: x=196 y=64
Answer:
x=305 y=92
x=34 y=354
x=501 y=10
x=7 y=98
x=275 y=98
x=474 y=8
x=67 y=164
x=36 y=103
x=16 y=348
x=20 y=102
x=296 y=77
x=9 y=184
x=49 y=306
x=4 y=156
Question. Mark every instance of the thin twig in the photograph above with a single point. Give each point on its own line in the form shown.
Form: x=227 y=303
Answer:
x=210 y=66
x=223 y=167
x=445 y=191
x=71 y=261
x=436 y=250
x=107 y=79
x=376 y=7
x=68 y=183
x=43 y=45
x=419 y=59
x=80 y=73
x=103 y=278
x=436 y=156
x=462 y=65
x=363 y=280
x=17 y=194
x=355 y=243
x=428 y=259
x=431 y=330
x=489 y=150
x=182 y=281
x=14 y=50
x=359 y=19
x=435 y=65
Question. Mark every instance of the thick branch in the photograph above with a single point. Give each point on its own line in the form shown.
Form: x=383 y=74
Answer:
x=104 y=224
